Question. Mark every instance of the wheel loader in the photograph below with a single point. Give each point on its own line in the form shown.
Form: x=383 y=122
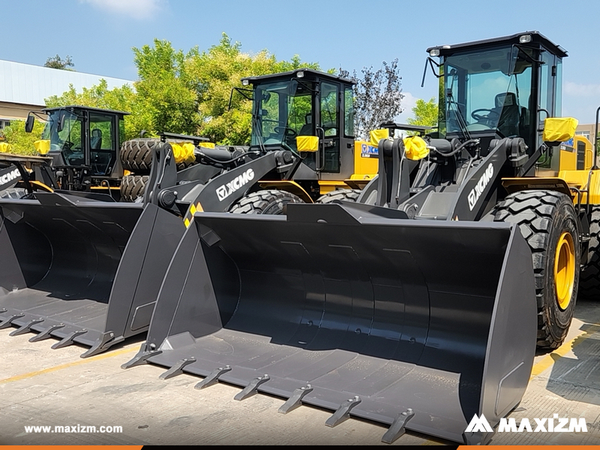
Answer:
x=81 y=152
x=87 y=270
x=421 y=304
x=72 y=155
x=82 y=144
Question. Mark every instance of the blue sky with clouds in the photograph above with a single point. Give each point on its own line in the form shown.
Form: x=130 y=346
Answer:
x=352 y=34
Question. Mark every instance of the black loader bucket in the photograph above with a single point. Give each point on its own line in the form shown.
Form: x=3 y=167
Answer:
x=81 y=270
x=418 y=325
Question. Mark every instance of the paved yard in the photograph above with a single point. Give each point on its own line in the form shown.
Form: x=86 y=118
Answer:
x=44 y=387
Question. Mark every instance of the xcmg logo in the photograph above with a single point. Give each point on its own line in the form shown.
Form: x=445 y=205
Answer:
x=552 y=424
x=229 y=188
x=480 y=186
x=10 y=176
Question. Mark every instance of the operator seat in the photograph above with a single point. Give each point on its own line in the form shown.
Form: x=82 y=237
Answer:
x=508 y=109
x=307 y=129
x=96 y=142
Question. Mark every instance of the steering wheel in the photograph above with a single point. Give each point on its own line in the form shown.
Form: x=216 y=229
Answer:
x=490 y=115
x=67 y=145
x=287 y=132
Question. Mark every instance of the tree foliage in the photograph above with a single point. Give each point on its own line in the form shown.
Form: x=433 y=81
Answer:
x=166 y=90
x=377 y=97
x=56 y=62
x=425 y=113
x=20 y=141
x=225 y=114
x=185 y=92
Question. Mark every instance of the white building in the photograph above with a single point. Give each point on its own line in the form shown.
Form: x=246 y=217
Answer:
x=24 y=87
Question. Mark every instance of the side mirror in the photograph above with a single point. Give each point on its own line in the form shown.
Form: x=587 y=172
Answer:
x=29 y=122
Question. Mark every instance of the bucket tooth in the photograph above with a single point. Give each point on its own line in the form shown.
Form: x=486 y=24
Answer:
x=251 y=388
x=397 y=428
x=68 y=340
x=47 y=333
x=478 y=438
x=140 y=358
x=213 y=377
x=177 y=369
x=8 y=321
x=343 y=412
x=100 y=345
x=295 y=400
x=25 y=328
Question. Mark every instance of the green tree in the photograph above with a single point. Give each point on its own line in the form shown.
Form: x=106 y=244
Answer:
x=20 y=141
x=166 y=91
x=56 y=62
x=425 y=113
x=185 y=93
x=225 y=115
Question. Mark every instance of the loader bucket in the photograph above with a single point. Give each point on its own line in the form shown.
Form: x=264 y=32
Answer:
x=418 y=325
x=82 y=271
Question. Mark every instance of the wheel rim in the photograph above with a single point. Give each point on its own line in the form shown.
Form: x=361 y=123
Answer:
x=564 y=270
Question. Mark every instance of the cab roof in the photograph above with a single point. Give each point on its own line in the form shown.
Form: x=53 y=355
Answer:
x=304 y=73
x=72 y=108
x=536 y=40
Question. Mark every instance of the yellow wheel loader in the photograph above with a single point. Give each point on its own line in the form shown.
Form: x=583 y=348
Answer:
x=79 y=152
x=421 y=304
x=86 y=269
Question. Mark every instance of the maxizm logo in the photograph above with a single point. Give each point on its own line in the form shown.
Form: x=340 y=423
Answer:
x=229 y=188
x=10 y=176
x=552 y=424
x=480 y=186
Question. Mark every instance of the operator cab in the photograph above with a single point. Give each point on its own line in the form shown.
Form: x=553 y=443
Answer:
x=498 y=88
x=83 y=143
x=304 y=103
x=83 y=136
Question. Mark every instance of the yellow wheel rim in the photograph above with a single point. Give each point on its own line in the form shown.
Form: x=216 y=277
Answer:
x=564 y=270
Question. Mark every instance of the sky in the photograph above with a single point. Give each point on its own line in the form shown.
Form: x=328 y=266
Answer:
x=100 y=35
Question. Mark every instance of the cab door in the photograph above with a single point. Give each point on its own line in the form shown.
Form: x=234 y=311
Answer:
x=328 y=129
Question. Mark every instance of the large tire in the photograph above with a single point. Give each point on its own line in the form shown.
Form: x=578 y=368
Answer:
x=136 y=155
x=15 y=193
x=548 y=222
x=346 y=195
x=270 y=201
x=132 y=187
x=589 y=283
